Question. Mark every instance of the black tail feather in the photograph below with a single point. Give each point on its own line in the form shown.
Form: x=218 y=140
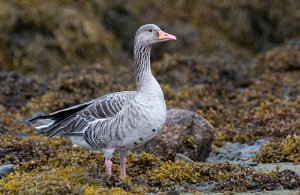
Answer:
x=41 y=117
x=61 y=114
x=57 y=117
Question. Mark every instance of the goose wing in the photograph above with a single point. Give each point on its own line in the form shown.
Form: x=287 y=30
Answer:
x=74 y=120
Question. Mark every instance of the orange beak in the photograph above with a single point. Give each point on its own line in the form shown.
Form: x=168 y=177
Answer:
x=163 y=36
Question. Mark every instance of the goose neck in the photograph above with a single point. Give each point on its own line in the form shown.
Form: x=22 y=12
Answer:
x=142 y=65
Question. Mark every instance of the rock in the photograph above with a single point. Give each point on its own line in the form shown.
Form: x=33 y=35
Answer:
x=182 y=157
x=237 y=153
x=173 y=192
x=184 y=132
x=6 y=169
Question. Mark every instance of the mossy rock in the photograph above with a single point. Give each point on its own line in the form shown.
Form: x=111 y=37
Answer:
x=16 y=90
x=57 y=34
x=282 y=58
x=250 y=25
x=241 y=101
x=45 y=36
x=182 y=70
x=78 y=85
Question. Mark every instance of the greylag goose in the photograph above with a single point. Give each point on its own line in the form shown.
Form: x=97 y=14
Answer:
x=117 y=121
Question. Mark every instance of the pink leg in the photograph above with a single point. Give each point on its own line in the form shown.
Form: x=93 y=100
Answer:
x=108 y=165
x=123 y=166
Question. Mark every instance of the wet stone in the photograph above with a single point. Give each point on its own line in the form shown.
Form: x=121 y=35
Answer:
x=237 y=153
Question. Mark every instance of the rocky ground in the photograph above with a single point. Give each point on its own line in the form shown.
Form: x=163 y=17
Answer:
x=231 y=83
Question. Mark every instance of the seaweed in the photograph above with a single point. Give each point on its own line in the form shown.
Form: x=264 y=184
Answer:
x=75 y=170
x=229 y=65
x=281 y=150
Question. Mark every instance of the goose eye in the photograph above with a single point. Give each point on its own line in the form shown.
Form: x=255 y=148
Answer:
x=149 y=30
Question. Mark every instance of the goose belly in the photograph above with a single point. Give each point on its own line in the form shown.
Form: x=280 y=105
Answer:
x=149 y=121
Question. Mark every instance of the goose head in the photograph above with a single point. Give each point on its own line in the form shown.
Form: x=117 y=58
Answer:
x=150 y=34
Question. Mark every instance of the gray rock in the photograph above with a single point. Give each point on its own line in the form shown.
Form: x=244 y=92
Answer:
x=6 y=169
x=173 y=192
x=184 y=132
x=182 y=157
x=237 y=153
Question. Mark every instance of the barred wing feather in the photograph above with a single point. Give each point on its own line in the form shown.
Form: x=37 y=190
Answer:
x=77 y=121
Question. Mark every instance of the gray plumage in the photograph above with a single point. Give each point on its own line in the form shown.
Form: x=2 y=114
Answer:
x=120 y=120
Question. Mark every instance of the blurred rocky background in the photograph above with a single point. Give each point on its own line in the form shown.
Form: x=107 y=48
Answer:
x=236 y=63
